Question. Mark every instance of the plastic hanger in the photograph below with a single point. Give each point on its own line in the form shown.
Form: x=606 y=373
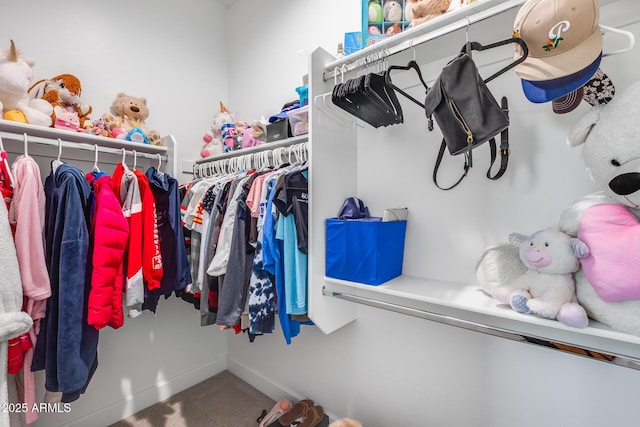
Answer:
x=124 y=160
x=57 y=162
x=366 y=98
x=627 y=34
x=95 y=169
x=135 y=159
x=3 y=153
x=411 y=65
x=469 y=46
x=26 y=146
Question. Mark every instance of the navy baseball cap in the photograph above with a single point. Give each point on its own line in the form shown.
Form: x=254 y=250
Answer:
x=548 y=90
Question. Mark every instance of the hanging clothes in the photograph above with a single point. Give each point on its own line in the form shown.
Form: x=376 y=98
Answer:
x=152 y=267
x=273 y=252
x=236 y=281
x=261 y=301
x=176 y=274
x=109 y=237
x=6 y=185
x=66 y=347
x=291 y=197
x=27 y=216
x=13 y=322
x=144 y=259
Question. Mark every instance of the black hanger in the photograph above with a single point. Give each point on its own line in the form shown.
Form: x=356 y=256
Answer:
x=375 y=86
x=469 y=46
x=411 y=65
x=368 y=98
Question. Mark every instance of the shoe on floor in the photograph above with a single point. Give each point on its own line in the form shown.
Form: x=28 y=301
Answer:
x=314 y=417
x=276 y=412
x=296 y=411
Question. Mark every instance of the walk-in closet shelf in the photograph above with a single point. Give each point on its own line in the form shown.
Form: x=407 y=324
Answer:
x=334 y=176
x=79 y=145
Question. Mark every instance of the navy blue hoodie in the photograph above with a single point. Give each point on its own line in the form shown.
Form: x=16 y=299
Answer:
x=67 y=345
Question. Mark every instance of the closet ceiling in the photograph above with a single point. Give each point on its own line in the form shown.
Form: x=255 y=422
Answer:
x=227 y=3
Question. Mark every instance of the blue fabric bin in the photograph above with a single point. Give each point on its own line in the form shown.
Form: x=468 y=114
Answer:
x=364 y=250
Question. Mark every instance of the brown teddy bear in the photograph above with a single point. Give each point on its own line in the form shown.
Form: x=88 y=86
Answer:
x=129 y=112
x=421 y=11
x=62 y=91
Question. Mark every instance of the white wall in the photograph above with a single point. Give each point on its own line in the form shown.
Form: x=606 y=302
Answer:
x=386 y=369
x=174 y=55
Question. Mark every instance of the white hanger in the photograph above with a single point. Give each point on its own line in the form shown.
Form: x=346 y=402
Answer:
x=159 y=162
x=95 y=160
x=6 y=164
x=26 y=146
x=627 y=34
x=124 y=159
x=135 y=159
x=57 y=162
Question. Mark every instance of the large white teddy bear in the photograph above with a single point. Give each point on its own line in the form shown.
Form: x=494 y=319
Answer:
x=608 y=284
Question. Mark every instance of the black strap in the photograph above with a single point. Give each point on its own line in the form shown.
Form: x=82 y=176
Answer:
x=443 y=146
x=504 y=146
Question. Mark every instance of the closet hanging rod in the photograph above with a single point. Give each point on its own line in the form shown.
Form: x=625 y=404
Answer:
x=590 y=353
x=475 y=12
x=81 y=146
x=251 y=160
x=262 y=147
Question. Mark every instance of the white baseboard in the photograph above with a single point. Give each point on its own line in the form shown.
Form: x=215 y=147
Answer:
x=266 y=385
x=148 y=396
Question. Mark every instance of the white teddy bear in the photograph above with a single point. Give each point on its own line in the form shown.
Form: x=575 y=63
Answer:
x=608 y=284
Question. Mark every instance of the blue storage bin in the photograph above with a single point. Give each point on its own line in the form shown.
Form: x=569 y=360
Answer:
x=364 y=250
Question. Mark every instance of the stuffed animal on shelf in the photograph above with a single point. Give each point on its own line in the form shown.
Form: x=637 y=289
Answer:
x=608 y=284
x=421 y=11
x=212 y=138
x=129 y=112
x=65 y=119
x=16 y=76
x=547 y=287
x=97 y=127
x=392 y=11
x=375 y=11
x=63 y=91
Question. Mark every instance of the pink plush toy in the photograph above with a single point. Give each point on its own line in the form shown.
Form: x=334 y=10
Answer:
x=65 y=119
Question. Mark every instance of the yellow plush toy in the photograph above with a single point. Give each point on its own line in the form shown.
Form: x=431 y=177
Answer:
x=129 y=112
x=62 y=91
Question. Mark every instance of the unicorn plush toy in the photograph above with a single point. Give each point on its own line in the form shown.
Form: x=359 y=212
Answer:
x=16 y=76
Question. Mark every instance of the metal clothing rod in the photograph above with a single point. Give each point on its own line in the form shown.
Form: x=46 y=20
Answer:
x=406 y=40
x=590 y=353
x=85 y=146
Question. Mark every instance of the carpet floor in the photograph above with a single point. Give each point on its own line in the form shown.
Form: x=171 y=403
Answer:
x=223 y=400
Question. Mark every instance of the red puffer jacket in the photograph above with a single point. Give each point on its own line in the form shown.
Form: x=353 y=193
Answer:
x=110 y=233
